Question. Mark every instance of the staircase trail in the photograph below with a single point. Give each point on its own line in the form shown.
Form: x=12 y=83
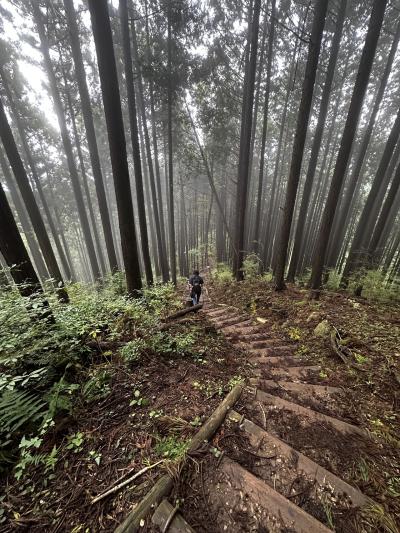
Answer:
x=284 y=446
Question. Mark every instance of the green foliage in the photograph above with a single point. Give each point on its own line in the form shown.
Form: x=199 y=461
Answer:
x=333 y=281
x=138 y=399
x=222 y=274
x=75 y=442
x=132 y=350
x=375 y=285
x=251 y=266
x=172 y=448
x=97 y=386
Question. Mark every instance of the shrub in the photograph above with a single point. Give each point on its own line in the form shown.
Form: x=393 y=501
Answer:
x=222 y=274
x=251 y=266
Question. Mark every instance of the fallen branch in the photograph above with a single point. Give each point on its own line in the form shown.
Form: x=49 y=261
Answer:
x=185 y=311
x=337 y=348
x=116 y=488
x=164 y=485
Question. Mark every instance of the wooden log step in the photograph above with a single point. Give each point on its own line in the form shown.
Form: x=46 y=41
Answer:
x=263 y=441
x=292 y=372
x=288 y=360
x=280 y=403
x=302 y=388
x=266 y=344
x=168 y=519
x=220 y=324
x=247 y=493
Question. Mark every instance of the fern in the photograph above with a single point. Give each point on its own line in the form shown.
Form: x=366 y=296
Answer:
x=18 y=408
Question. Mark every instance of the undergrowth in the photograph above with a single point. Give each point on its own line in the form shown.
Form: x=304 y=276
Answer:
x=47 y=368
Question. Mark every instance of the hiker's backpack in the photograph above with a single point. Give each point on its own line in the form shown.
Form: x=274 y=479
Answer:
x=197 y=284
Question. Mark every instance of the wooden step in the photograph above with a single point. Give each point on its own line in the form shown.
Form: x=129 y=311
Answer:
x=168 y=519
x=269 y=444
x=265 y=344
x=239 y=320
x=241 y=489
x=302 y=388
x=292 y=372
x=280 y=403
x=287 y=360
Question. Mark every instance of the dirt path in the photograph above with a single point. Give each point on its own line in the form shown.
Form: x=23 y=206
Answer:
x=282 y=457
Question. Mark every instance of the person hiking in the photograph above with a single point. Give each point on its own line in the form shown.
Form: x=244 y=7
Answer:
x=195 y=282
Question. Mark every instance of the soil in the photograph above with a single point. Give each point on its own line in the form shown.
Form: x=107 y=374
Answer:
x=181 y=393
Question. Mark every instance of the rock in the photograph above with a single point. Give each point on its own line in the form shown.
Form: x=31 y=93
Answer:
x=323 y=329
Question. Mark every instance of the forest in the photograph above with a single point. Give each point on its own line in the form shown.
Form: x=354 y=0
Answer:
x=199 y=266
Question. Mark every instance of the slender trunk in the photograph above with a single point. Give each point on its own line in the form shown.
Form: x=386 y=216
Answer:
x=319 y=130
x=170 y=155
x=25 y=224
x=353 y=114
x=116 y=139
x=321 y=7
x=142 y=108
x=375 y=198
x=245 y=139
x=21 y=177
x=256 y=238
x=130 y=89
x=14 y=252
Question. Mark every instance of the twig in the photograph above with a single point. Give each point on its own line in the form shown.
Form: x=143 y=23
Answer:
x=124 y=483
x=264 y=416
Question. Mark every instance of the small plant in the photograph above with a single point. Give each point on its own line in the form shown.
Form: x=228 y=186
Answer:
x=295 y=334
x=132 y=350
x=95 y=456
x=172 y=448
x=235 y=381
x=251 y=266
x=196 y=422
x=98 y=386
x=75 y=442
x=222 y=274
x=156 y=413
x=138 y=400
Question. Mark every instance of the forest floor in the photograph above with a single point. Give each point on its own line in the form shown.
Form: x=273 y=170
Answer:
x=369 y=399
x=150 y=408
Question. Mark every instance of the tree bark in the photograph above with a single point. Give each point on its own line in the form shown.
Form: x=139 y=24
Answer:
x=90 y=133
x=24 y=220
x=30 y=204
x=170 y=153
x=14 y=252
x=321 y=7
x=116 y=138
x=130 y=89
x=245 y=140
x=271 y=35
x=319 y=130
x=375 y=196
x=45 y=49
x=360 y=87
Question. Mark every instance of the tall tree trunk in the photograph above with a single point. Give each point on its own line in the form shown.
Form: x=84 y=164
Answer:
x=30 y=204
x=360 y=87
x=142 y=108
x=34 y=173
x=375 y=197
x=45 y=49
x=90 y=133
x=116 y=139
x=271 y=35
x=245 y=140
x=355 y=180
x=170 y=153
x=130 y=89
x=319 y=130
x=14 y=252
x=23 y=218
x=321 y=7
x=89 y=203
